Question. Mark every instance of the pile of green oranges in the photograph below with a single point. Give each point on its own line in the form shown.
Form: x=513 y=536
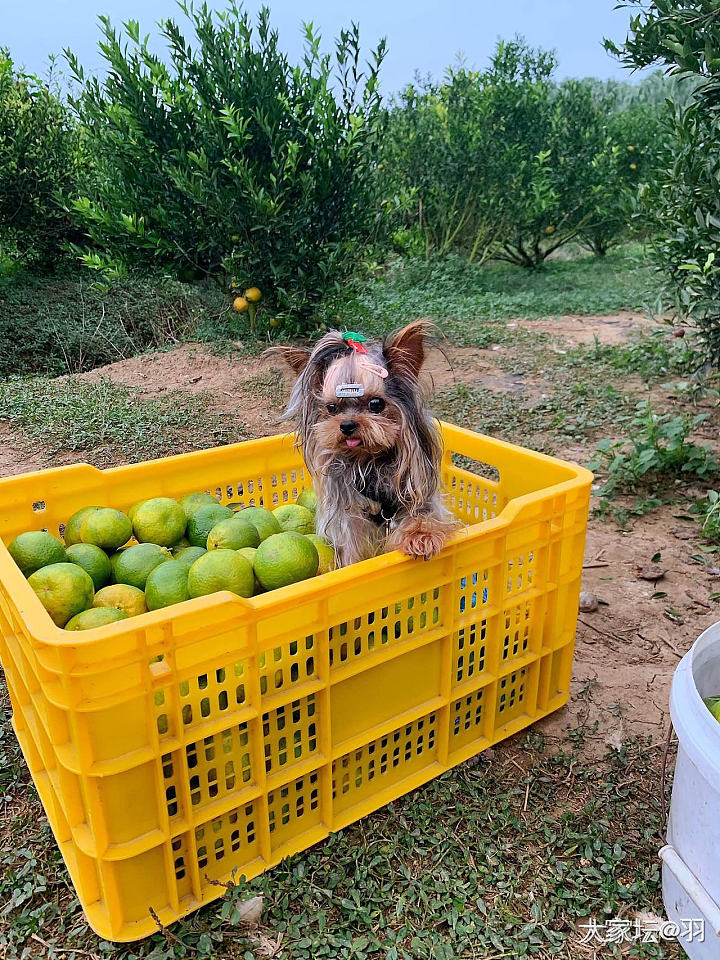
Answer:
x=113 y=565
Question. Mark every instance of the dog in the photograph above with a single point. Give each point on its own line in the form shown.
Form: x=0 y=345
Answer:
x=370 y=444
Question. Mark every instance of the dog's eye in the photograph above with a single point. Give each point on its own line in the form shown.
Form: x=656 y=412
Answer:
x=376 y=405
x=332 y=408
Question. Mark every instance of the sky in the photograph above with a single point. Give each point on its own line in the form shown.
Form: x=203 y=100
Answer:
x=422 y=35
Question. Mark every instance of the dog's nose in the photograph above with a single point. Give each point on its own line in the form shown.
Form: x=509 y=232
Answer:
x=348 y=427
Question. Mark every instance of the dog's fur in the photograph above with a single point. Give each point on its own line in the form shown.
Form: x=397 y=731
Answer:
x=382 y=493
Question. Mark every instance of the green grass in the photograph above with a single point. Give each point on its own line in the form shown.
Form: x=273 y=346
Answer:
x=575 y=410
x=78 y=416
x=503 y=857
x=462 y=299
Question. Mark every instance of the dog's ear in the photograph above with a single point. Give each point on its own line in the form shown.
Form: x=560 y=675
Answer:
x=295 y=357
x=405 y=349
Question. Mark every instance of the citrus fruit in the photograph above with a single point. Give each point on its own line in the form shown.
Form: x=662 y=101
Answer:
x=549 y=231
x=182 y=543
x=249 y=554
x=285 y=558
x=232 y=534
x=713 y=705
x=203 y=520
x=134 y=565
x=240 y=304
x=129 y=600
x=221 y=570
x=93 y=560
x=161 y=521
x=253 y=295
x=167 y=584
x=64 y=589
x=194 y=501
x=633 y=166
x=36 y=549
x=274 y=322
x=263 y=520
x=134 y=509
x=188 y=555
x=106 y=528
x=308 y=499
x=72 y=527
x=326 y=554
x=95 y=617
x=294 y=518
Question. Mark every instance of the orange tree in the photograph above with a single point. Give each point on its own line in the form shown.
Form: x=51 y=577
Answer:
x=220 y=156
x=500 y=163
x=38 y=160
x=630 y=157
x=683 y=200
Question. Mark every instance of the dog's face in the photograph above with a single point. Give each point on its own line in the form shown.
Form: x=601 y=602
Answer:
x=356 y=426
x=382 y=410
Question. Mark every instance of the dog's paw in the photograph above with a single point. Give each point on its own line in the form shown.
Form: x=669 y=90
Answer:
x=421 y=539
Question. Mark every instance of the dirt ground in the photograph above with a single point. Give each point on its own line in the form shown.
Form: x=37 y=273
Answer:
x=629 y=647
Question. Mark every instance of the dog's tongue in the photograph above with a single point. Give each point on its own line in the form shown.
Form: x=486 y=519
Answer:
x=353 y=441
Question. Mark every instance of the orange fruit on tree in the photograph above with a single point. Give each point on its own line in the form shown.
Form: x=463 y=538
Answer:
x=253 y=295
x=240 y=304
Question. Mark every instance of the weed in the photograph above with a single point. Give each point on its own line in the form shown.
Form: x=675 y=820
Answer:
x=480 y=862
x=658 y=449
x=652 y=356
x=75 y=415
x=575 y=410
x=708 y=511
x=470 y=302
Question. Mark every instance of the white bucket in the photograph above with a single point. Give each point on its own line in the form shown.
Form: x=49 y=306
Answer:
x=691 y=859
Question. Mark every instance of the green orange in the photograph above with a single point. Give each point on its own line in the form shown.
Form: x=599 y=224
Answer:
x=93 y=560
x=134 y=565
x=232 y=534
x=221 y=570
x=129 y=600
x=203 y=520
x=193 y=502
x=106 y=528
x=64 y=589
x=167 y=584
x=95 y=617
x=161 y=521
x=74 y=525
x=36 y=549
x=285 y=558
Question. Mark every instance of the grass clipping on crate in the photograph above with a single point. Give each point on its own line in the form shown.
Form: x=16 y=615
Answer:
x=507 y=855
x=76 y=415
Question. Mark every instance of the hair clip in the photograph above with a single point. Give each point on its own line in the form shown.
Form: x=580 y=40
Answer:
x=349 y=390
x=355 y=341
x=374 y=367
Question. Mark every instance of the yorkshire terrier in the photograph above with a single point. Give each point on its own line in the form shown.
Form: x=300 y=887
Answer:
x=369 y=443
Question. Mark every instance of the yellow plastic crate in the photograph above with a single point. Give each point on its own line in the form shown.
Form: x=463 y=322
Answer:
x=224 y=733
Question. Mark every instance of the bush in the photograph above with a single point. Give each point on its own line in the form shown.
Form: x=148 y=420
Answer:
x=223 y=159
x=38 y=158
x=63 y=323
x=685 y=202
x=502 y=164
x=437 y=166
x=659 y=449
